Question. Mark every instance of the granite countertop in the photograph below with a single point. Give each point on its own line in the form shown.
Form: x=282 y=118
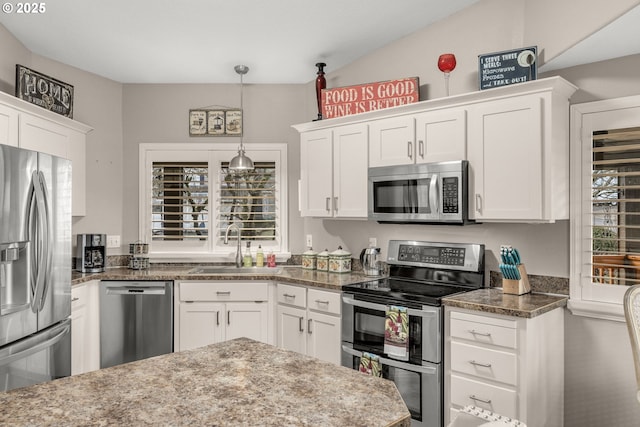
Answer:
x=238 y=382
x=285 y=274
x=493 y=300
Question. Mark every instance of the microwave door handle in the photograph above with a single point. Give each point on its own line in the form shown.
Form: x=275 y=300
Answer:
x=433 y=193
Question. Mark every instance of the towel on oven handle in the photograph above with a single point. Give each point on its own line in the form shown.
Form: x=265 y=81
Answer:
x=396 y=333
x=370 y=364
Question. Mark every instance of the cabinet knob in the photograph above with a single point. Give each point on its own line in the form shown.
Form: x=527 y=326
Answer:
x=410 y=149
x=327 y=201
x=483 y=365
x=477 y=399
x=309 y=326
x=301 y=324
x=483 y=334
x=421 y=148
x=478 y=203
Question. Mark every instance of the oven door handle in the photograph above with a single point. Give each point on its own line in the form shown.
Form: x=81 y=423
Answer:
x=427 y=370
x=427 y=312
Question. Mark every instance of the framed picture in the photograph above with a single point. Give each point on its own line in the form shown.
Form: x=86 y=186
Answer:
x=215 y=122
x=197 y=122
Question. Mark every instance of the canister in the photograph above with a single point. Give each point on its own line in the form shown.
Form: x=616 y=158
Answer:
x=309 y=259
x=322 y=263
x=340 y=261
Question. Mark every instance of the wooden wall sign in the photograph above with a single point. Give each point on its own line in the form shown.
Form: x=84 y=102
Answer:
x=507 y=67
x=44 y=91
x=344 y=101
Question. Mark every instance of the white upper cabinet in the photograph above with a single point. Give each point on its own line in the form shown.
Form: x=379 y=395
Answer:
x=28 y=126
x=441 y=135
x=518 y=152
x=333 y=168
x=392 y=141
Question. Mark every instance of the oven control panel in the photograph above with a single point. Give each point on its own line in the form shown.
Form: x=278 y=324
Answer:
x=458 y=256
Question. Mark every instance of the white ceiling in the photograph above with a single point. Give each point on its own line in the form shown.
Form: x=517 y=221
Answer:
x=200 y=41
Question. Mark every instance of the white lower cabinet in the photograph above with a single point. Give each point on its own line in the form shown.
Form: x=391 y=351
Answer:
x=308 y=321
x=85 y=327
x=211 y=312
x=509 y=365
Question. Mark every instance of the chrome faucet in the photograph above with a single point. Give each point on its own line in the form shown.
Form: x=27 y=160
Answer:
x=238 y=249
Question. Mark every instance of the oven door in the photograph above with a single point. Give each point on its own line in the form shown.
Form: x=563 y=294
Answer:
x=363 y=321
x=419 y=385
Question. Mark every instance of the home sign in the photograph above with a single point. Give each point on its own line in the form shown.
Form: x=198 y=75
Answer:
x=344 y=101
x=44 y=91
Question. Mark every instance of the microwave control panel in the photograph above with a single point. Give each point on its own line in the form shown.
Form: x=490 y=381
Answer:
x=450 y=195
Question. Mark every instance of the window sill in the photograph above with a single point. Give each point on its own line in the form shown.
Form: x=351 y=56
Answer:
x=168 y=257
x=596 y=310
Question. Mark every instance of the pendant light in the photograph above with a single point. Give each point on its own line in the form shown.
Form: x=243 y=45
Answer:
x=241 y=163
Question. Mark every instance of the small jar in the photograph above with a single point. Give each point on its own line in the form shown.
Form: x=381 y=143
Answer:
x=309 y=259
x=322 y=263
x=340 y=261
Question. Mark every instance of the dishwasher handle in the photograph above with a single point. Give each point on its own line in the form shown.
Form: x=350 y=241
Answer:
x=136 y=290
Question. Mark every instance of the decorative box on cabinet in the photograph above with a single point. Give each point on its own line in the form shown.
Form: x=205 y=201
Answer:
x=211 y=312
x=85 y=328
x=518 y=152
x=333 y=167
x=28 y=126
x=509 y=365
x=308 y=321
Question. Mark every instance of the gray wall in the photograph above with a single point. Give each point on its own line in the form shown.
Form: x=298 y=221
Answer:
x=600 y=385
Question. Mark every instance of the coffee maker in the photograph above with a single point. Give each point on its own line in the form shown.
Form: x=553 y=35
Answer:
x=91 y=252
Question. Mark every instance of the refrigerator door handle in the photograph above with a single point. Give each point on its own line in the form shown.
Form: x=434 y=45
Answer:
x=36 y=348
x=43 y=245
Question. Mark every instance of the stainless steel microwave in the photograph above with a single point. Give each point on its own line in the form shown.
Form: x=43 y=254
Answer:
x=433 y=193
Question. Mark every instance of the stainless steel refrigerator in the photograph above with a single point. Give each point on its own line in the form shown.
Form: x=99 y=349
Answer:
x=35 y=267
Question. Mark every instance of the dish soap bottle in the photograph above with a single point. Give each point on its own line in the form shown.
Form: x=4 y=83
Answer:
x=259 y=257
x=247 y=261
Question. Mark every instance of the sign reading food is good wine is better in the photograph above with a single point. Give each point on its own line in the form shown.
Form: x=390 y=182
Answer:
x=344 y=101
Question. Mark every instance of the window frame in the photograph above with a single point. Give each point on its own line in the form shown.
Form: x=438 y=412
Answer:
x=213 y=249
x=587 y=298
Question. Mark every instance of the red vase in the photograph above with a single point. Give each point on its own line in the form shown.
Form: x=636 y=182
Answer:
x=321 y=83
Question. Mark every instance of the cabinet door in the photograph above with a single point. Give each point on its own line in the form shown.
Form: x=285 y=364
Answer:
x=505 y=160
x=392 y=141
x=292 y=326
x=79 y=300
x=441 y=136
x=350 y=164
x=8 y=126
x=245 y=319
x=323 y=337
x=201 y=323
x=316 y=173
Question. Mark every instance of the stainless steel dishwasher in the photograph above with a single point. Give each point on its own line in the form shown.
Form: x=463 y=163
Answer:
x=136 y=320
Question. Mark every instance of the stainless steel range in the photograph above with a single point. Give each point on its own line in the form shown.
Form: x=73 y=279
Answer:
x=420 y=275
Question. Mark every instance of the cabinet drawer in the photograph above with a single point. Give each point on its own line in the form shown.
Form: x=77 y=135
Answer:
x=484 y=329
x=323 y=301
x=79 y=296
x=292 y=295
x=228 y=291
x=497 y=399
x=484 y=362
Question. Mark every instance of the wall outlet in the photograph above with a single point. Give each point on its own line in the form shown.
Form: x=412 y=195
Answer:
x=309 y=240
x=113 y=241
x=373 y=242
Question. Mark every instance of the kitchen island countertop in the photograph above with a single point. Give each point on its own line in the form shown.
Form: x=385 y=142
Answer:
x=238 y=382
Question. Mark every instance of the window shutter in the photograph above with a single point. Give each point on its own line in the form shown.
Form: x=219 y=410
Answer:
x=615 y=213
x=180 y=201
x=249 y=198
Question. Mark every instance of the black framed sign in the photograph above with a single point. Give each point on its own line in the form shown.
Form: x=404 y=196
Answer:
x=507 y=67
x=44 y=91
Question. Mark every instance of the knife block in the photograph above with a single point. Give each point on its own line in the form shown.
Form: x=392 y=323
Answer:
x=517 y=287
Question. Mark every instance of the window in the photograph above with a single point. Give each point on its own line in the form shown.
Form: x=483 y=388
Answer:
x=188 y=198
x=605 y=208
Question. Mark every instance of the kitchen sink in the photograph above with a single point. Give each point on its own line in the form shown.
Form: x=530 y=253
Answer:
x=225 y=269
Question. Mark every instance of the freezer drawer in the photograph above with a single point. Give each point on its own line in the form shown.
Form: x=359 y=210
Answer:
x=38 y=358
x=136 y=320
